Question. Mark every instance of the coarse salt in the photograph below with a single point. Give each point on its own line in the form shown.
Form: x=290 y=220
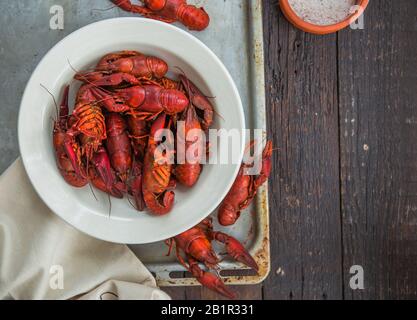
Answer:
x=323 y=12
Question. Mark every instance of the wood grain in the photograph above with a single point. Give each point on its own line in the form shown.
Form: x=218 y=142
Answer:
x=251 y=292
x=302 y=107
x=342 y=111
x=378 y=126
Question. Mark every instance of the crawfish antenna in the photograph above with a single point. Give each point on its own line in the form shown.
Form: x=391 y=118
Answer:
x=92 y=191
x=71 y=66
x=108 y=197
x=53 y=98
x=86 y=80
x=109 y=8
x=104 y=9
x=130 y=202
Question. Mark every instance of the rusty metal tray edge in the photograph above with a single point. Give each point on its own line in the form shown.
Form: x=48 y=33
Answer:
x=261 y=248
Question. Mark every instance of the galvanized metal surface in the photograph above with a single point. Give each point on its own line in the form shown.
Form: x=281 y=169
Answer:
x=235 y=35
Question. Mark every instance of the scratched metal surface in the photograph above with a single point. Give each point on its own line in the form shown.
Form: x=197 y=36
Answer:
x=235 y=35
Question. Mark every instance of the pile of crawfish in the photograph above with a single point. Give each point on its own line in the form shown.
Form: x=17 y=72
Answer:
x=109 y=139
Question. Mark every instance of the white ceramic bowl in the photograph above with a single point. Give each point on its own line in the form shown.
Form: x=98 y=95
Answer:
x=78 y=207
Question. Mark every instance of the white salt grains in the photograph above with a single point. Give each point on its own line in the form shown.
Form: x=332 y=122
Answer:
x=323 y=12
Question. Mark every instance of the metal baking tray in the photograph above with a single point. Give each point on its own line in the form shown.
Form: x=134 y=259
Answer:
x=236 y=36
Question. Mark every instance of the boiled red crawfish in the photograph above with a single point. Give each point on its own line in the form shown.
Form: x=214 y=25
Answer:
x=130 y=62
x=169 y=11
x=127 y=166
x=244 y=189
x=125 y=162
x=88 y=124
x=138 y=133
x=100 y=174
x=103 y=176
x=59 y=137
x=195 y=243
x=143 y=99
x=157 y=176
x=187 y=173
x=118 y=145
x=199 y=101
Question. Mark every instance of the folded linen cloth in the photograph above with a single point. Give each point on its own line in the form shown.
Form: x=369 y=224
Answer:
x=42 y=257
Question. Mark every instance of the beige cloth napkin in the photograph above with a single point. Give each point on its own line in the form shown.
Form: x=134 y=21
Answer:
x=42 y=257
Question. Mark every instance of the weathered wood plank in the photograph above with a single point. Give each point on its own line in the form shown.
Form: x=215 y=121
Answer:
x=301 y=73
x=244 y=293
x=378 y=117
x=196 y=293
x=176 y=293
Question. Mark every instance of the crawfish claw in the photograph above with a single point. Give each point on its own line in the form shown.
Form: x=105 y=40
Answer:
x=156 y=206
x=235 y=249
x=210 y=281
x=200 y=101
x=101 y=162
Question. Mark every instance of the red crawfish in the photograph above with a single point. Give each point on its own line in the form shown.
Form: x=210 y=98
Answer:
x=102 y=175
x=135 y=185
x=128 y=169
x=244 y=190
x=138 y=133
x=87 y=122
x=118 y=145
x=131 y=62
x=169 y=11
x=188 y=172
x=195 y=243
x=92 y=91
x=59 y=135
x=144 y=101
x=200 y=101
x=156 y=176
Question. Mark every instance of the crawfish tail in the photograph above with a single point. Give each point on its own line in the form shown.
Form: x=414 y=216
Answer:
x=159 y=205
x=118 y=145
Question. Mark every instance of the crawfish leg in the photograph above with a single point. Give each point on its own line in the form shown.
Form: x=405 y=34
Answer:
x=235 y=249
x=116 y=79
x=109 y=102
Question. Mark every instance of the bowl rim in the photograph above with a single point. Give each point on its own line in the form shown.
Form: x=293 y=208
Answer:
x=108 y=236
x=292 y=17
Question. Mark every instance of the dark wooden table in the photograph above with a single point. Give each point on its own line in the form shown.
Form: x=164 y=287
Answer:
x=342 y=111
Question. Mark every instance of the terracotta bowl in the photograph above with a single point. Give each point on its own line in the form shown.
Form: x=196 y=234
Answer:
x=292 y=17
